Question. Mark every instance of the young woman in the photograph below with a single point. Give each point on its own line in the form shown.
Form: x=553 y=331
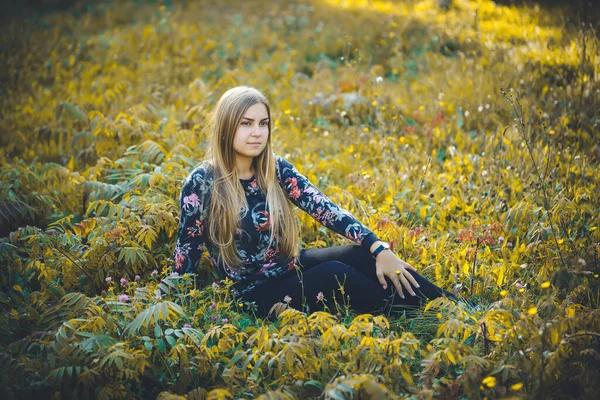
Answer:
x=236 y=204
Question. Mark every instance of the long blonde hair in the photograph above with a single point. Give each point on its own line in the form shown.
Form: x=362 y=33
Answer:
x=228 y=196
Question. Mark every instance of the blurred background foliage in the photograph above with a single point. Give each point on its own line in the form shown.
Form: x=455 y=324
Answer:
x=463 y=132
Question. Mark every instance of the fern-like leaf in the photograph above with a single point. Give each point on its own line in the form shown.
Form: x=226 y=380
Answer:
x=165 y=311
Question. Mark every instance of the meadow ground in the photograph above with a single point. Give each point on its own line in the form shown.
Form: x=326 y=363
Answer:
x=462 y=132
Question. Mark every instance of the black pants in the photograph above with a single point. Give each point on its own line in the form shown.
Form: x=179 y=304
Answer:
x=324 y=269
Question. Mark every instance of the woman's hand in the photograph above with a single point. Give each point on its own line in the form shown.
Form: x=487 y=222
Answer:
x=388 y=264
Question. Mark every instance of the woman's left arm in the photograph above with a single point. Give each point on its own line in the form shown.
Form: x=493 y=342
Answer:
x=311 y=200
x=315 y=203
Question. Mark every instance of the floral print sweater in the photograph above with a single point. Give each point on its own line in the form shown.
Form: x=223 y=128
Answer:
x=261 y=262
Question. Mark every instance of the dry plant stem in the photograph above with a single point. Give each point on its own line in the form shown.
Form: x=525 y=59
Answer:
x=541 y=377
x=593 y=334
x=583 y=11
x=420 y=184
x=68 y=255
x=301 y=279
x=474 y=265
x=518 y=110
x=486 y=344
x=389 y=310
x=403 y=248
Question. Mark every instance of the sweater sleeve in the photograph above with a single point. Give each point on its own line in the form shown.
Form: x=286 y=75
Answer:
x=315 y=203
x=191 y=236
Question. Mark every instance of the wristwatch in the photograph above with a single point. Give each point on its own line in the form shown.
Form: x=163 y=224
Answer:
x=382 y=246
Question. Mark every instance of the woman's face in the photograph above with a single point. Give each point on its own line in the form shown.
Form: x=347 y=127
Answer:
x=251 y=135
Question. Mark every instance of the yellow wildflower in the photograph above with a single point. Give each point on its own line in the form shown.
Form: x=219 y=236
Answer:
x=545 y=285
x=503 y=293
x=532 y=311
x=516 y=386
x=489 y=381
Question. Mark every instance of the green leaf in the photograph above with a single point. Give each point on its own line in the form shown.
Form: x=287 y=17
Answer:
x=312 y=383
x=236 y=358
x=160 y=345
x=441 y=156
x=171 y=340
x=73 y=111
x=165 y=311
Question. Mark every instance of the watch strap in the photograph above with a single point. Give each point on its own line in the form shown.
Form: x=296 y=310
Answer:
x=379 y=249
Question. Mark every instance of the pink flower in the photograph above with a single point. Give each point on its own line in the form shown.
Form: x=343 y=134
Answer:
x=501 y=240
x=123 y=298
x=179 y=259
x=186 y=326
x=266 y=267
x=197 y=229
x=320 y=296
x=108 y=279
x=124 y=282
x=154 y=273
x=519 y=286
x=294 y=190
x=224 y=320
x=287 y=298
x=174 y=274
x=295 y=193
x=191 y=200
x=213 y=306
x=137 y=278
x=354 y=235
x=215 y=285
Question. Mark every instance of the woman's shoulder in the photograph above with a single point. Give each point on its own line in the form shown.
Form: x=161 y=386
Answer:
x=281 y=163
x=205 y=168
x=202 y=175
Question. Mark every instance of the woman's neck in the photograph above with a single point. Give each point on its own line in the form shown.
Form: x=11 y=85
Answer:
x=244 y=167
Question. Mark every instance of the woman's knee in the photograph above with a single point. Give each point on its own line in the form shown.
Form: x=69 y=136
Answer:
x=337 y=268
x=332 y=272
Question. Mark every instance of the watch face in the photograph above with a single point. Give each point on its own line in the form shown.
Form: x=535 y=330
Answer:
x=385 y=245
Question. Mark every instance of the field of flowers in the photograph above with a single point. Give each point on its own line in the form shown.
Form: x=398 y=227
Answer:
x=464 y=132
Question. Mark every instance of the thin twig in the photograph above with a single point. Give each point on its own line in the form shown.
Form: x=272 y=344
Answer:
x=593 y=334
x=518 y=110
x=68 y=255
x=474 y=265
x=486 y=344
